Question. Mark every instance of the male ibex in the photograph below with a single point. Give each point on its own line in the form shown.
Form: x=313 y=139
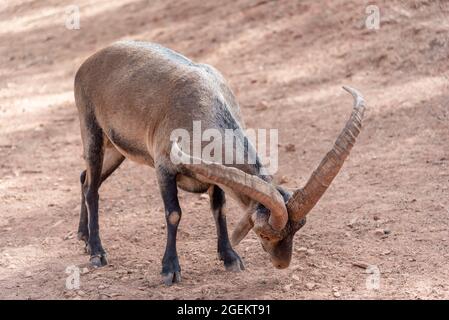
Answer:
x=132 y=95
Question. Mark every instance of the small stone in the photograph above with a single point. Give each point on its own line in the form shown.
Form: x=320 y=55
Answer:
x=295 y=277
x=360 y=264
x=310 y=285
x=204 y=196
x=69 y=236
x=310 y=252
x=28 y=274
x=81 y=293
x=379 y=232
x=351 y=223
x=288 y=287
x=301 y=249
x=84 y=270
x=101 y=287
x=387 y=231
x=337 y=294
x=263 y=105
x=283 y=179
x=376 y=218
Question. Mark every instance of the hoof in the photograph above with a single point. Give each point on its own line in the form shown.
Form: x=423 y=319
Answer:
x=98 y=261
x=232 y=261
x=235 y=266
x=171 y=278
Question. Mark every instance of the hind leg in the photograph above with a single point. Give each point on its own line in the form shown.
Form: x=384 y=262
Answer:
x=112 y=160
x=94 y=142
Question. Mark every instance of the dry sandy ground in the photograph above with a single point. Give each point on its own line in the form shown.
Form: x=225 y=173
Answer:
x=286 y=61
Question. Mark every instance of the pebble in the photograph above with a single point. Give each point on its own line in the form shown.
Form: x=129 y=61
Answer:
x=283 y=179
x=81 y=293
x=68 y=236
x=310 y=285
x=336 y=292
x=288 y=287
x=295 y=277
x=351 y=223
x=360 y=264
x=310 y=252
x=263 y=105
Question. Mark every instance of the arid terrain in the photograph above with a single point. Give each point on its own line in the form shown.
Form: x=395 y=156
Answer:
x=384 y=220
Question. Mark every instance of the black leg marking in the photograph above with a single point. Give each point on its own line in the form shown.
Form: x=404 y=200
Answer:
x=230 y=258
x=83 y=229
x=171 y=271
x=94 y=154
x=112 y=160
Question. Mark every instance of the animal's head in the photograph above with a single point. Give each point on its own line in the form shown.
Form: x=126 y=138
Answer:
x=277 y=214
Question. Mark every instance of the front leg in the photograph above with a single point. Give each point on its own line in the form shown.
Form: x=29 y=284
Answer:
x=171 y=271
x=230 y=258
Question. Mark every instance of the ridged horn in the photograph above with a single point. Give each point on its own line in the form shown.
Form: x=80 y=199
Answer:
x=240 y=182
x=303 y=200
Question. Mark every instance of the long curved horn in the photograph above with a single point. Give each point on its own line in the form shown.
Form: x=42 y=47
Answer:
x=303 y=200
x=240 y=182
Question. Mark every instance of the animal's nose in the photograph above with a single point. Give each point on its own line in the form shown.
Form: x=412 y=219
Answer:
x=280 y=264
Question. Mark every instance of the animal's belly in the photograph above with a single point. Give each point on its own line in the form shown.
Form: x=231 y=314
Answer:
x=191 y=185
x=132 y=149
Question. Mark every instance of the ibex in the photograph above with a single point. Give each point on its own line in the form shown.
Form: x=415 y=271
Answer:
x=131 y=95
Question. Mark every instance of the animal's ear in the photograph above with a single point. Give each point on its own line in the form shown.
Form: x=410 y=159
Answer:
x=242 y=229
x=286 y=194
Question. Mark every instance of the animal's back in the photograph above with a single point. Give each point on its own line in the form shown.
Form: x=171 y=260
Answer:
x=140 y=92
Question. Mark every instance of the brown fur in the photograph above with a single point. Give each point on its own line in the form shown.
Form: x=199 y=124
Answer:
x=140 y=92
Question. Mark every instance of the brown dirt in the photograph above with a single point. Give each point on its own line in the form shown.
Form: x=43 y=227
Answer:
x=286 y=61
